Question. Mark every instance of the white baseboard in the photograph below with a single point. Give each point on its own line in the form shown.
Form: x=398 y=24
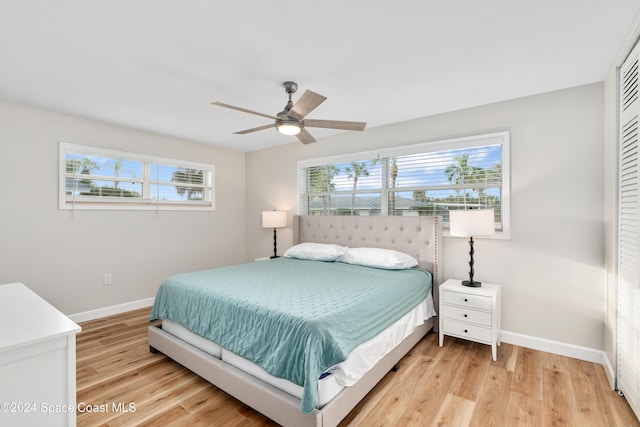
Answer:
x=555 y=347
x=111 y=310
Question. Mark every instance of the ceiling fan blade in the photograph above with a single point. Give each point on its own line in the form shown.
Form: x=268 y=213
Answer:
x=244 y=110
x=306 y=104
x=305 y=137
x=242 y=132
x=334 y=124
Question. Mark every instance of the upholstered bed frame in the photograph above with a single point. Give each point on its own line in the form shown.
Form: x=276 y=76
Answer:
x=418 y=236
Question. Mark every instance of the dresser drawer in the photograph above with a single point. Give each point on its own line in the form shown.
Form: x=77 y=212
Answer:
x=465 y=314
x=466 y=330
x=468 y=300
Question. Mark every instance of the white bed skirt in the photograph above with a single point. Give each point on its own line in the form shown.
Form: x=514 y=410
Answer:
x=344 y=374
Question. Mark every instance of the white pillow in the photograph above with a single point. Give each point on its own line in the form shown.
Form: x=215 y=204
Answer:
x=378 y=258
x=315 y=251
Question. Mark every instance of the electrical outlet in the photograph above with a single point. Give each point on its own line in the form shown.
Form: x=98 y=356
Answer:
x=106 y=280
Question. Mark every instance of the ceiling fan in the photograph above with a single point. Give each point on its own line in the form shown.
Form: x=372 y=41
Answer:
x=291 y=120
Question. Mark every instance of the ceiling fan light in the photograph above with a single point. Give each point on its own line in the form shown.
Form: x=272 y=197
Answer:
x=289 y=128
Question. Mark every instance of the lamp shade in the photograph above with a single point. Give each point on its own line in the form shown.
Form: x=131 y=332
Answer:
x=472 y=222
x=274 y=219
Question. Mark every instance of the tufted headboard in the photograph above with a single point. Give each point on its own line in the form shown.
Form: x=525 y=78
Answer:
x=418 y=236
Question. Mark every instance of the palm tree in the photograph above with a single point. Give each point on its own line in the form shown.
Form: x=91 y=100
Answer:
x=189 y=176
x=422 y=203
x=117 y=167
x=321 y=181
x=393 y=174
x=84 y=166
x=355 y=171
x=484 y=177
x=460 y=173
x=419 y=196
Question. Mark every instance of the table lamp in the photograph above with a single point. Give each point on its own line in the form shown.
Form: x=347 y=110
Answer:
x=469 y=223
x=274 y=219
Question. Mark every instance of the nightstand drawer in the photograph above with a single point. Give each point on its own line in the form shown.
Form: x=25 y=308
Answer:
x=467 y=331
x=468 y=300
x=464 y=314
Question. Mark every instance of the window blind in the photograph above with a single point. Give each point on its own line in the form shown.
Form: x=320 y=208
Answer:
x=95 y=178
x=422 y=179
x=434 y=183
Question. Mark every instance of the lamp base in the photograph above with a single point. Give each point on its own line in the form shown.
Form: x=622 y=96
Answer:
x=473 y=284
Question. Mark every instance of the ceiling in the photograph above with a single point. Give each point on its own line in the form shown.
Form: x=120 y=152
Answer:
x=156 y=65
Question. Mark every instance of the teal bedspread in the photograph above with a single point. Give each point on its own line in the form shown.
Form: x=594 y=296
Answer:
x=294 y=318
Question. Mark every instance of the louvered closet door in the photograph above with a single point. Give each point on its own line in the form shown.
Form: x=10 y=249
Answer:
x=629 y=235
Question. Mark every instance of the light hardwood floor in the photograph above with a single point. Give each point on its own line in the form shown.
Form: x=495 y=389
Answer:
x=456 y=385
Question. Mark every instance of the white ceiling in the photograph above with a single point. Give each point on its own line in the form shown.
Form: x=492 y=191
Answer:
x=158 y=64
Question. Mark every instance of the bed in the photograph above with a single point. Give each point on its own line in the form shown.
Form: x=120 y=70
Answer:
x=309 y=400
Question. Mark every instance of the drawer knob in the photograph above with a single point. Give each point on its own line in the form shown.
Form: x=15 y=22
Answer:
x=465 y=331
x=466 y=300
x=465 y=315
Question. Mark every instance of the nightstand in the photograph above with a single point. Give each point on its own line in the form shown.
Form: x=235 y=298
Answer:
x=470 y=313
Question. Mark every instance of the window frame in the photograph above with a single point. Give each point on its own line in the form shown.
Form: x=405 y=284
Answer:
x=479 y=140
x=147 y=202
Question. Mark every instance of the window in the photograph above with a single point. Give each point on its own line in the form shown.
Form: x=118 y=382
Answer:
x=423 y=179
x=95 y=178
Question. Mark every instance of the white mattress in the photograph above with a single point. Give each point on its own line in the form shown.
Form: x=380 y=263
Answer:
x=344 y=374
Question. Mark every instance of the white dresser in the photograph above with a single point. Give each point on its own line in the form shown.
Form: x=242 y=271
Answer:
x=37 y=361
x=470 y=313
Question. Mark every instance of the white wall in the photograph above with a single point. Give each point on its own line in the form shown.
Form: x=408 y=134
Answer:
x=62 y=256
x=551 y=269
